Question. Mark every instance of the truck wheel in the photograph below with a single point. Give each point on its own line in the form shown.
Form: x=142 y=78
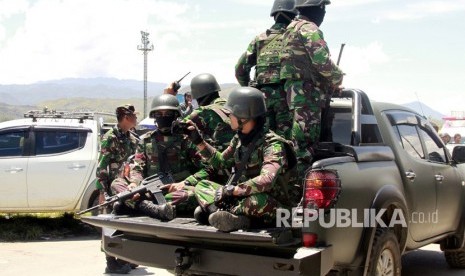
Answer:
x=385 y=256
x=456 y=258
x=93 y=201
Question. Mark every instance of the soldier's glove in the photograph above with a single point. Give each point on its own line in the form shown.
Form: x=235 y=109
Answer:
x=194 y=134
x=221 y=194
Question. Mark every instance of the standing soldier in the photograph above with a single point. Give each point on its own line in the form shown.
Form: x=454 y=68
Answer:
x=186 y=106
x=308 y=74
x=264 y=53
x=163 y=151
x=117 y=145
x=259 y=159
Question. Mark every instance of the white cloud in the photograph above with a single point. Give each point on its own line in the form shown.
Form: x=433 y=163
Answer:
x=86 y=38
x=359 y=60
x=424 y=9
x=9 y=8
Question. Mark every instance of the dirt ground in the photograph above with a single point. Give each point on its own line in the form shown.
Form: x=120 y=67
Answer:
x=82 y=256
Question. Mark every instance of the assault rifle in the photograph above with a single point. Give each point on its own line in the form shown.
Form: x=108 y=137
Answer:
x=151 y=184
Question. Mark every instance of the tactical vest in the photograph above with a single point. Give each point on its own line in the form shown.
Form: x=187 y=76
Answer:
x=167 y=154
x=281 y=190
x=295 y=60
x=269 y=46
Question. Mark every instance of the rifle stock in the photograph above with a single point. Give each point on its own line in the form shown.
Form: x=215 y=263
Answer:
x=151 y=184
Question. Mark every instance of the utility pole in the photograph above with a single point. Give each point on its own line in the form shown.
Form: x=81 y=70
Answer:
x=145 y=47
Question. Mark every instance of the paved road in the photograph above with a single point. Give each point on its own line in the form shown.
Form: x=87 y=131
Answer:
x=82 y=257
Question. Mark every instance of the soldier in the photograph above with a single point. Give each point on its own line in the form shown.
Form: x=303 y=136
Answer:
x=308 y=74
x=259 y=157
x=264 y=53
x=186 y=106
x=212 y=120
x=163 y=151
x=116 y=146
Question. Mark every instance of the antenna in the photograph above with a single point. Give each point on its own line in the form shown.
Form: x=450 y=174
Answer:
x=421 y=106
x=145 y=47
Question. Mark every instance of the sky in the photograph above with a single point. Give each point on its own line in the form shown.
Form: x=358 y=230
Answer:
x=396 y=50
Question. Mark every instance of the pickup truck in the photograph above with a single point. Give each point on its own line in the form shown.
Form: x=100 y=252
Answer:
x=48 y=161
x=382 y=183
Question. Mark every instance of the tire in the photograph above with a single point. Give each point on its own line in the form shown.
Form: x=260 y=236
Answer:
x=93 y=201
x=385 y=258
x=455 y=258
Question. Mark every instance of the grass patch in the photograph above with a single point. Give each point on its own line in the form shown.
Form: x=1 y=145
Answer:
x=30 y=227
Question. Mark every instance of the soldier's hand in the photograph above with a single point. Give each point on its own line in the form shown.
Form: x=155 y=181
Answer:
x=173 y=187
x=338 y=90
x=221 y=194
x=136 y=196
x=194 y=134
x=171 y=89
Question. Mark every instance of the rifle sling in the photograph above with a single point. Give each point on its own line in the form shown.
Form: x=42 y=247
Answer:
x=243 y=163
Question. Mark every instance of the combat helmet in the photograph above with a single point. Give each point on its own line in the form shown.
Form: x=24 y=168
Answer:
x=311 y=3
x=246 y=103
x=203 y=85
x=283 y=6
x=164 y=102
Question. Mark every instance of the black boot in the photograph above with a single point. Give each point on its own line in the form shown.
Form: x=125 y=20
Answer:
x=162 y=212
x=227 y=222
x=114 y=267
x=201 y=216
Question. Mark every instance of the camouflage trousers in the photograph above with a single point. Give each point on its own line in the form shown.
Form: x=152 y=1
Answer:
x=305 y=103
x=184 y=200
x=260 y=206
x=278 y=117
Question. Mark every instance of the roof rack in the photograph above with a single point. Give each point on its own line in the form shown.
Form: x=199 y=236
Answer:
x=53 y=114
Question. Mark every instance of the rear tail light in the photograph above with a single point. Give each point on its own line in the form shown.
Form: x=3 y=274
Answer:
x=321 y=189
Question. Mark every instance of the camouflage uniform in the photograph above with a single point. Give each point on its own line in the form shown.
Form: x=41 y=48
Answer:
x=263 y=187
x=309 y=77
x=214 y=123
x=165 y=153
x=263 y=53
x=115 y=149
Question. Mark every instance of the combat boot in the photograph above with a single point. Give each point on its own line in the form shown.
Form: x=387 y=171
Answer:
x=227 y=222
x=114 y=267
x=201 y=216
x=163 y=212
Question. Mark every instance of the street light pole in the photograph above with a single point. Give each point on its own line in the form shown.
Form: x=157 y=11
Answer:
x=145 y=47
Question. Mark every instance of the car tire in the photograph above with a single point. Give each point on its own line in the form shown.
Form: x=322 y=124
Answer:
x=93 y=201
x=455 y=258
x=385 y=258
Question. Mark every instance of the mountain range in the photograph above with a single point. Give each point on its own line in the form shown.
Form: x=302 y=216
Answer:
x=102 y=94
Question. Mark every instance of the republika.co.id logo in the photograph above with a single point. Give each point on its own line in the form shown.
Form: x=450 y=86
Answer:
x=302 y=217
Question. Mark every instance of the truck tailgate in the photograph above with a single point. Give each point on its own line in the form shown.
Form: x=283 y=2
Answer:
x=187 y=229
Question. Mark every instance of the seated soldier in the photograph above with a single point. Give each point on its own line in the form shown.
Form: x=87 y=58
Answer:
x=259 y=158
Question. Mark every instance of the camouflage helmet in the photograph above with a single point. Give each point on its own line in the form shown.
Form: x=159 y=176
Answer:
x=246 y=103
x=311 y=3
x=203 y=85
x=127 y=109
x=164 y=102
x=283 y=6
